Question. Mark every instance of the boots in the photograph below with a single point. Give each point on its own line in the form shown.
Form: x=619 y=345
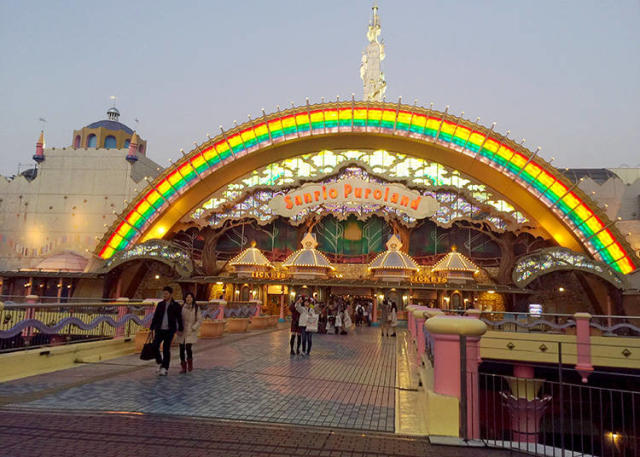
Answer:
x=184 y=367
x=190 y=364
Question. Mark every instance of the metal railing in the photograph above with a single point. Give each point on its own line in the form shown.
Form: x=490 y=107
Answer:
x=549 y=418
x=604 y=325
x=29 y=325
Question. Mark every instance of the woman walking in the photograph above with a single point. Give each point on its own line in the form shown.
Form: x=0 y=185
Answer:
x=295 y=328
x=191 y=319
x=394 y=317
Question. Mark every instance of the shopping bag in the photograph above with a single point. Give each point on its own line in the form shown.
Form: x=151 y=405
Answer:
x=347 y=321
x=312 y=323
x=148 y=350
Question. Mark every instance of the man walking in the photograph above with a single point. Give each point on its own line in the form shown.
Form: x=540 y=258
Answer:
x=167 y=318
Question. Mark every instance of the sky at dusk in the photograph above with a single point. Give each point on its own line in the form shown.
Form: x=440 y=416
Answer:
x=565 y=75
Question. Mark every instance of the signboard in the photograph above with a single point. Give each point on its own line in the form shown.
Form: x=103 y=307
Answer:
x=535 y=309
x=268 y=275
x=428 y=278
x=354 y=190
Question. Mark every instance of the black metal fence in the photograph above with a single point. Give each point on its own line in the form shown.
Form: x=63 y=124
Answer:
x=549 y=418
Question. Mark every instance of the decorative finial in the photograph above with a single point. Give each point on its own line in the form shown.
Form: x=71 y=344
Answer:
x=39 y=155
x=370 y=72
x=253 y=244
x=132 y=156
x=112 y=113
x=309 y=241
x=454 y=248
x=394 y=243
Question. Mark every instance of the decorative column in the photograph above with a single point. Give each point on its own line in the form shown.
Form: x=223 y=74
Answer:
x=281 y=319
x=30 y=313
x=374 y=317
x=583 y=345
x=524 y=406
x=221 y=304
x=122 y=311
x=419 y=317
x=446 y=332
x=410 y=325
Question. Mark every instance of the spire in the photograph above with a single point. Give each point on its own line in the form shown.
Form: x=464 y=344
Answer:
x=132 y=156
x=39 y=155
x=112 y=113
x=370 y=72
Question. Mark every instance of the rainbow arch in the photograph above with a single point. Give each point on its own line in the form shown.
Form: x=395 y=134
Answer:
x=595 y=233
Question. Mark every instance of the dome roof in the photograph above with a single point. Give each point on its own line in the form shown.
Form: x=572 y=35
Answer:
x=393 y=258
x=110 y=125
x=308 y=256
x=66 y=261
x=251 y=257
x=454 y=261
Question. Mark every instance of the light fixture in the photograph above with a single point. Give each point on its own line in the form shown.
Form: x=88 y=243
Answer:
x=219 y=283
x=560 y=289
x=157 y=276
x=491 y=291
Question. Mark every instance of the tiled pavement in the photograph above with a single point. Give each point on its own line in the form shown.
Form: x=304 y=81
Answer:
x=27 y=434
x=246 y=397
x=347 y=382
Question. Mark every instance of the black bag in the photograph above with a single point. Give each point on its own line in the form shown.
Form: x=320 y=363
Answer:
x=149 y=351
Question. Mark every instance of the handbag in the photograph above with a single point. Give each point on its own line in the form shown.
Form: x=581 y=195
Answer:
x=149 y=351
x=312 y=323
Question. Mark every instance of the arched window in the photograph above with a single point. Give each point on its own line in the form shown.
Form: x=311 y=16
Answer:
x=110 y=142
x=127 y=143
x=76 y=142
x=141 y=149
x=91 y=141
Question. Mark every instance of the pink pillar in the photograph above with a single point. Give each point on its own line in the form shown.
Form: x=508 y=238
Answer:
x=150 y=308
x=445 y=332
x=412 y=330
x=523 y=371
x=583 y=344
x=420 y=334
x=30 y=313
x=446 y=364
x=122 y=311
x=221 y=313
x=374 y=313
x=281 y=308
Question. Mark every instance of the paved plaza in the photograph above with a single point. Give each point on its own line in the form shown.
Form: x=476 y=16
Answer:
x=347 y=382
x=246 y=396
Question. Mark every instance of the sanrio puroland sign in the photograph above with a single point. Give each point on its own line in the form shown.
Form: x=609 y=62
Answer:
x=356 y=191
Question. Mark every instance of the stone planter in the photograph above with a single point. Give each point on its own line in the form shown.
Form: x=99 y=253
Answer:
x=237 y=325
x=211 y=329
x=259 y=322
x=141 y=338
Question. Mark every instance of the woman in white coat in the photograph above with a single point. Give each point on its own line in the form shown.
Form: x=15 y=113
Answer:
x=191 y=319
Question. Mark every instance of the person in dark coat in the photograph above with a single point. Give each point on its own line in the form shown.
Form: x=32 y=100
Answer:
x=167 y=319
x=295 y=329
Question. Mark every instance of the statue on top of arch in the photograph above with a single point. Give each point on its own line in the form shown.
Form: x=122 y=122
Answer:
x=370 y=72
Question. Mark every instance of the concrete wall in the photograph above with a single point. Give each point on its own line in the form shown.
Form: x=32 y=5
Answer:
x=67 y=205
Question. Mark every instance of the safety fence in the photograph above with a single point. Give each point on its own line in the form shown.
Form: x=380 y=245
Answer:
x=28 y=325
x=551 y=417
x=600 y=325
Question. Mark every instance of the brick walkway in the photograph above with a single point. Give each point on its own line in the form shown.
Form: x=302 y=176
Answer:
x=41 y=434
x=347 y=382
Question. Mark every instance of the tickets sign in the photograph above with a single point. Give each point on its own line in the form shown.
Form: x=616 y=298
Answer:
x=354 y=191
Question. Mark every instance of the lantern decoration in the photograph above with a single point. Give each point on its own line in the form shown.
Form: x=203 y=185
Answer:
x=455 y=267
x=308 y=262
x=250 y=261
x=393 y=264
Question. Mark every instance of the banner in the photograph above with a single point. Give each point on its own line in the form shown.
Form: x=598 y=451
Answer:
x=354 y=191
